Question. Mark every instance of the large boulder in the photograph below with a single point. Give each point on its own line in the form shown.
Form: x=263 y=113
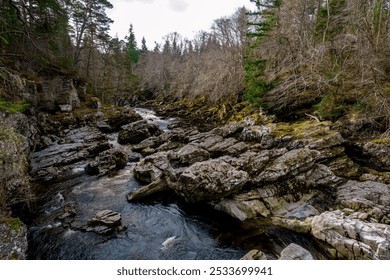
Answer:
x=106 y=162
x=209 y=180
x=136 y=132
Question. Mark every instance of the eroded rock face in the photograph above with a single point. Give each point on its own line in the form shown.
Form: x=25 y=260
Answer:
x=78 y=145
x=367 y=197
x=351 y=237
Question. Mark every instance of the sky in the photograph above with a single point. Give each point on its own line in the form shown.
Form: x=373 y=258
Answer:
x=153 y=19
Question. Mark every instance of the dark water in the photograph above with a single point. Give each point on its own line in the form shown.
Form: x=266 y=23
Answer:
x=194 y=231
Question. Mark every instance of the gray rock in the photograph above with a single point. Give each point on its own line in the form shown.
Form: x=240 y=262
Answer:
x=106 y=162
x=190 y=154
x=352 y=238
x=209 y=180
x=378 y=153
x=105 y=222
x=291 y=163
x=370 y=197
x=136 y=132
x=295 y=252
x=77 y=146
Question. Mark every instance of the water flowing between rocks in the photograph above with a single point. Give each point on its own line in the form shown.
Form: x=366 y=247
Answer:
x=163 y=228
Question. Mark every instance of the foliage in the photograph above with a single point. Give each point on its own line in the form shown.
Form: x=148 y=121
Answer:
x=14 y=107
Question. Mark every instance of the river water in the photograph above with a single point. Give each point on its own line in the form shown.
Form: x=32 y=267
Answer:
x=163 y=228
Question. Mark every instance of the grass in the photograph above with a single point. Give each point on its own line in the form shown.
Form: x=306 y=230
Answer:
x=13 y=107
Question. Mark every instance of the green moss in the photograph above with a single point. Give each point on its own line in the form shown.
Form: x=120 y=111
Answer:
x=12 y=223
x=297 y=130
x=382 y=141
x=13 y=107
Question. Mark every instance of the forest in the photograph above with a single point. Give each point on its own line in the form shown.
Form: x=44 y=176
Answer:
x=327 y=58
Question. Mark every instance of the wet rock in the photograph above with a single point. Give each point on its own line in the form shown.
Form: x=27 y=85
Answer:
x=106 y=162
x=295 y=252
x=254 y=255
x=243 y=209
x=13 y=239
x=135 y=132
x=369 y=197
x=106 y=221
x=77 y=146
x=209 y=180
x=352 y=238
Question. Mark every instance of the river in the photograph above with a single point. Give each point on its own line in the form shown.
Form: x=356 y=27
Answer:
x=162 y=228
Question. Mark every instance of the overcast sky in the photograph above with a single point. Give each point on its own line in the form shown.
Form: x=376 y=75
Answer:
x=153 y=19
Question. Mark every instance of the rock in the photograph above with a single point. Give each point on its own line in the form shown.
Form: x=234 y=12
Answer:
x=190 y=154
x=145 y=191
x=290 y=164
x=243 y=210
x=66 y=108
x=135 y=132
x=254 y=255
x=369 y=197
x=106 y=162
x=378 y=152
x=14 y=167
x=295 y=252
x=57 y=91
x=209 y=180
x=13 y=239
x=352 y=238
x=106 y=221
x=152 y=167
x=57 y=159
x=221 y=148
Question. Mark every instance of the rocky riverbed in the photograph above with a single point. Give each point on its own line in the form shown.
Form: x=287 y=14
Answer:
x=292 y=191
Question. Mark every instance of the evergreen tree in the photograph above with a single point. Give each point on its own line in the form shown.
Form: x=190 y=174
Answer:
x=132 y=51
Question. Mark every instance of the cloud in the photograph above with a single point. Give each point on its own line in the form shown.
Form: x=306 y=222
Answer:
x=178 y=5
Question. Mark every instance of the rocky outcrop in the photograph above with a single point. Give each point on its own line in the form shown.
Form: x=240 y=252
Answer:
x=135 y=132
x=351 y=237
x=209 y=180
x=289 y=176
x=78 y=145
